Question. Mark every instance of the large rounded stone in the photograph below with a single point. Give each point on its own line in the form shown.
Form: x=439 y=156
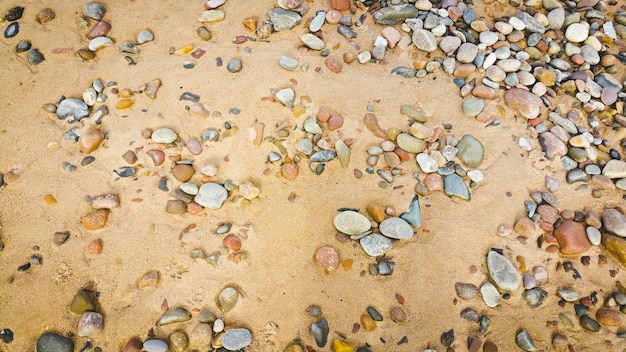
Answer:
x=410 y=144
x=50 y=342
x=528 y=104
x=351 y=223
x=470 y=151
x=396 y=228
x=503 y=272
x=211 y=195
x=572 y=238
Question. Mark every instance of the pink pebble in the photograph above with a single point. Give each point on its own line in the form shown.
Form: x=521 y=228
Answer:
x=392 y=35
x=327 y=258
x=388 y=146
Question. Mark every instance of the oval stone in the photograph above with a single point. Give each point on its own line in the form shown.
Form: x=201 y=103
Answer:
x=396 y=228
x=410 y=144
x=376 y=245
x=211 y=195
x=351 y=223
x=164 y=135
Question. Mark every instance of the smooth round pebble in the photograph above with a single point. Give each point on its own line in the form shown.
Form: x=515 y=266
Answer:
x=351 y=223
x=236 y=339
x=396 y=228
x=155 y=345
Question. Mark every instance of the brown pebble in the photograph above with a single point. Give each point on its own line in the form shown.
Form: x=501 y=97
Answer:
x=194 y=146
x=232 y=242
x=149 y=280
x=609 y=317
x=377 y=212
x=323 y=113
x=175 y=206
x=289 y=171
x=89 y=141
x=95 y=219
x=327 y=258
x=45 y=15
x=490 y=347
x=333 y=64
x=355 y=328
x=101 y=29
x=335 y=122
x=342 y=237
x=130 y=157
x=183 y=172
x=524 y=226
x=95 y=247
x=397 y=315
x=133 y=345
x=399 y=298
x=157 y=156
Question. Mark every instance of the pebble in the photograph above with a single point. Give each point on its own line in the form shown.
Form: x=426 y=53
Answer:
x=413 y=216
x=609 y=317
x=471 y=151
x=576 y=175
x=424 y=40
x=614 y=169
x=455 y=187
x=99 y=42
x=396 y=228
x=577 y=32
x=94 y=10
x=289 y=171
x=51 y=342
x=376 y=245
x=552 y=146
x=534 y=296
x=183 y=172
x=211 y=195
x=210 y=16
x=467 y=53
x=145 y=36
x=90 y=324
x=589 y=323
x=155 y=345
x=614 y=222
x=593 y=235
x=528 y=104
x=572 y=238
x=164 y=135
x=72 y=109
x=490 y=295
x=327 y=258
x=320 y=330
x=95 y=219
x=82 y=302
x=524 y=341
x=410 y=144
x=236 y=339
x=333 y=64
x=234 y=66
x=286 y=97
x=35 y=57
x=473 y=106
x=351 y=223
x=228 y=298
x=282 y=19
x=503 y=272
x=89 y=141
x=287 y=62
x=395 y=14
x=177 y=315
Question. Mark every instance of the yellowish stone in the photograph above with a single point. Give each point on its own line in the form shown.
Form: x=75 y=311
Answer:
x=367 y=322
x=340 y=346
x=49 y=199
x=124 y=104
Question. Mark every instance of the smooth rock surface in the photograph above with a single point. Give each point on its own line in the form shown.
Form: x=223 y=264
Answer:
x=376 y=245
x=614 y=222
x=351 y=223
x=396 y=228
x=236 y=339
x=211 y=195
x=503 y=272
x=528 y=104
x=572 y=238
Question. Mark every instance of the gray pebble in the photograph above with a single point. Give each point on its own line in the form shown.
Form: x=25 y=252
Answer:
x=234 y=66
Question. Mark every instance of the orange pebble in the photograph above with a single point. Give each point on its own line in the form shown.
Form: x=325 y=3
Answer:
x=49 y=198
x=232 y=242
x=347 y=264
x=95 y=247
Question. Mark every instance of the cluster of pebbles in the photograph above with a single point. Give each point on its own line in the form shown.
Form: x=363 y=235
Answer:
x=549 y=52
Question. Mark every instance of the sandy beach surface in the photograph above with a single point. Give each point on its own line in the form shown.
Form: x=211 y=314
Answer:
x=275 y=272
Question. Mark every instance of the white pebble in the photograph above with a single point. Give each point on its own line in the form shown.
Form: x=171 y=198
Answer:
x=218 y=325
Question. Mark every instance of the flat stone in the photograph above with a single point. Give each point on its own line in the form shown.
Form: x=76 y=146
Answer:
x=395 y=14
x=236 y=339
x=568 y=295
x=616 y=246
x=51 y=342
x=503 y=272
x=490 y=295
x=551 y=145
x=534 y=297
x=473 y=106
x=396 y=228
x=72 y=109
x=455 y=187
x=531 y=24
x=376 y=245
x=449 y=44
x=155 y=345
x=211 y=195
x=614 y=169
x=465 y=291
x=424 y=40
x=312 y=42
x=488 y=38
x=177 y=315
x=282 y=19
x=410 y=144
x=90 y=324
x=471 y=151
x=317 y=22
x=528 y=104
x=211 y=16
x=467 y=52
x=426 y=163
x=556 y=18
x=414 y=215
x=327 y=258
x=351 y=223
x=572 y=238
x=614 y=222
x=163 y=135
x=577 y=32
x=286 y=97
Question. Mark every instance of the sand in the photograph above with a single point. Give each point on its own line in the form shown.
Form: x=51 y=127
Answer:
x=279 y=279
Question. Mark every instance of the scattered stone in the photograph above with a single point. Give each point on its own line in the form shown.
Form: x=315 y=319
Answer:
x=614 y=222
x=236 y=339
x=490 y=295
x=589 y=323
x=376 y=245
x=211 y=195
x=90 y=324
x=534 y=296
x=395 y=14
x=351 y=223
x=465 y=291
x=320 y=330
x=155 y=345
x=572 y=238
x=528 y=104
x=524 y=341
x=327 y=258
x=503 y=272
x=424 y=40
x=455 y=187
x=51 y=342
x=396 y=228
x=470 y=151
x=83 y=301
x=177 y=315
x=95 y=219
